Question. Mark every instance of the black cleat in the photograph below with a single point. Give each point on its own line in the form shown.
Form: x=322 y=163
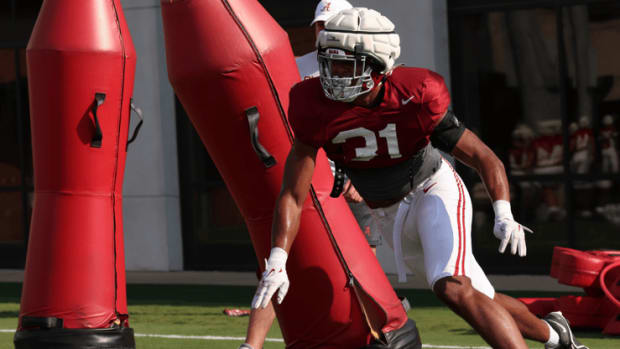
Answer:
x=558 y=322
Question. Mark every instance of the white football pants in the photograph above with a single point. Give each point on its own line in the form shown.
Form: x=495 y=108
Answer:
x=430 y=230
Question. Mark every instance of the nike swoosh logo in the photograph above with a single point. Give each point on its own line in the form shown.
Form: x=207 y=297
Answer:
x=560 y=325
x=405 y=101
x=429 y=187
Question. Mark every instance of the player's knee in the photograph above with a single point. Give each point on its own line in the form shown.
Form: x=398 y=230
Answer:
x=454 y=290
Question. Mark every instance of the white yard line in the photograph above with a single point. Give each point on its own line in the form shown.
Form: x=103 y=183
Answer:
x=224 y=338
x=209 y=338
x=451 y=346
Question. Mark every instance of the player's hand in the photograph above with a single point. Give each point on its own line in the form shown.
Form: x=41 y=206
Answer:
x=274 y=279
x=507 y=230
x=351 y=194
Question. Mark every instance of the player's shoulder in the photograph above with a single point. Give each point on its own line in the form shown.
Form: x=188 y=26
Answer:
x=308 y=89
x=306 y=99
x=306 y=112
x=415 y=78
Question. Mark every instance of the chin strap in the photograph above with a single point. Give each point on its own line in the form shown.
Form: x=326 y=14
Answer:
x=388 y=73
x=382 y=81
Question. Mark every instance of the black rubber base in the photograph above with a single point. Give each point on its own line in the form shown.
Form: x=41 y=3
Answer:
x=406 y=337
x=62 y=338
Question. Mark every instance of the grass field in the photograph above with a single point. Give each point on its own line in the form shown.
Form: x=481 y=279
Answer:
x=197 y=311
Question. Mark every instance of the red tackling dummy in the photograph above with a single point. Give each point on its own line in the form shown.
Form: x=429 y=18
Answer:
x=81 y=64
x=598 y=273
x=232 y=67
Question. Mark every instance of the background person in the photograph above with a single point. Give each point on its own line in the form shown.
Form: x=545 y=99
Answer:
x=261 y=319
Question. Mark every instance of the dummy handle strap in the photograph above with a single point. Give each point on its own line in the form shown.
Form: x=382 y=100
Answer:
x=31 y=322
x=136 y=130
x=262 y=153
x=98 y=136
x=338 y=181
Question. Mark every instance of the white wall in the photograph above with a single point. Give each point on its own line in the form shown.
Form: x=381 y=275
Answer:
x=151 y=206
x=423 y=29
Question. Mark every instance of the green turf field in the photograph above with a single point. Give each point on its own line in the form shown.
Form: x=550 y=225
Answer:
x=197 y=311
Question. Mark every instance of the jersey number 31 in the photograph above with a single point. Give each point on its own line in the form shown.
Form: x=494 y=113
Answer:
x=369 y=151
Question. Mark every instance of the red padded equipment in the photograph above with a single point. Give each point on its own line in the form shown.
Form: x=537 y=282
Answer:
x=558 y=253
x=232 y=67
x=81 y=64
x=578 y=268
x=613 y=326
x=540 y=306
x=586 y=311
x=598 y=273
x=610 y=284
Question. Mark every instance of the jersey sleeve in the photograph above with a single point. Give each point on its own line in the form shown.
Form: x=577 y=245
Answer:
x=306 y=126
x=436 y=98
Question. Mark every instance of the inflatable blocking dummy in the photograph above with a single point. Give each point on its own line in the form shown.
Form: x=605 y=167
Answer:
x=81 y=64
x=232 y=67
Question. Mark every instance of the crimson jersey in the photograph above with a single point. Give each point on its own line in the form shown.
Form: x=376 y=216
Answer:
x=608 y=137
x=521 y=158
x=548 y=150
x=581 y=139
x=387 y=134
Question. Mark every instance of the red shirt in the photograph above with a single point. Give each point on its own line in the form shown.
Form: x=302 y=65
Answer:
x=415 y=99
x=581 y=139
x=521 y=158
x=548 y=150
x=608 y=136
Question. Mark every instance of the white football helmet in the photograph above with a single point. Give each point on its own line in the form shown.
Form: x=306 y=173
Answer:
x=608 y=120
x=584 y=121
x=523 y=133
x=573 y=127
x=549 y=127
x=354 y=43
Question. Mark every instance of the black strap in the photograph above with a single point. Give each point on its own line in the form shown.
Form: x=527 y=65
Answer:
x=447 y=133
x=136 y=130
x=29 y=322
x=98 y=136
x=338 y=181
x=411 y=175
x=253 y=116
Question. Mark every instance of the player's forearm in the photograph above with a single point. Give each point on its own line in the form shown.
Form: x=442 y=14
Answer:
x=259 y=325
x=286 y=222
x=474 y=153
x=493 y=175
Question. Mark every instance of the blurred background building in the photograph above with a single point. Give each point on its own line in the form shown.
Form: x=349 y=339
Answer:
x=539 y=81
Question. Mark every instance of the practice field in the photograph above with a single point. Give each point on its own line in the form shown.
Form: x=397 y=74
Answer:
x=173 y=316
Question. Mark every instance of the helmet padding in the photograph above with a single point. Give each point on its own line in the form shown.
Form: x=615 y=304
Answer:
x=362 y=31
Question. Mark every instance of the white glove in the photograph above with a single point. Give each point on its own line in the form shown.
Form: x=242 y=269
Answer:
x=507 y=230
x=274 y=278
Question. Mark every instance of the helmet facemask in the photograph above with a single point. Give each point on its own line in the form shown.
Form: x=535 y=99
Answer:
x=344 y=76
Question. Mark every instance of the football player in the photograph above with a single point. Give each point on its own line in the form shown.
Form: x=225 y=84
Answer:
x=383 y=125
x=307 y=65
